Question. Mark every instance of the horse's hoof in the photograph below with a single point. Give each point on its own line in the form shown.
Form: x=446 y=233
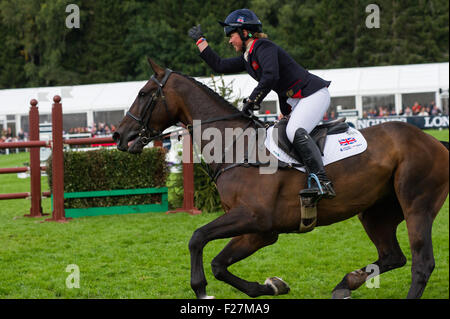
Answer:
x=278 y=285
x=342 y=294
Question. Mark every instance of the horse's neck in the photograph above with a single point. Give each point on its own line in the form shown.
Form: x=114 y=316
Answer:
x=204 y=107
x=207 y=112
x=208 y=119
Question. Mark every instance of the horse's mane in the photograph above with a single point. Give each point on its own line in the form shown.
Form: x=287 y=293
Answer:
x=220 y=100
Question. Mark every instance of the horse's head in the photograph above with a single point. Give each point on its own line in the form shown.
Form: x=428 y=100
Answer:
x=153 y=110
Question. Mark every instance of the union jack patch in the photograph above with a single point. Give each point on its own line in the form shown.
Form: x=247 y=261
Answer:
x=347 y=141
x=240 y=19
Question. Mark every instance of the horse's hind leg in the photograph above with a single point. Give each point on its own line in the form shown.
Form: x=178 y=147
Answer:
x=380 y=223
x=419 y=216
x=239 y=248
x=419 y=231
x=421 y=197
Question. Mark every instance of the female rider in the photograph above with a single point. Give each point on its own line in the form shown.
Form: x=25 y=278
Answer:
x=302 y=95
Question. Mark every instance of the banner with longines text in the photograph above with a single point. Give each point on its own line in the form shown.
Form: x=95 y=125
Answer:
x=423 y=122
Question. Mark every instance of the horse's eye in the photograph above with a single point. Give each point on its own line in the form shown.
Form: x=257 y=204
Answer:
x=141 y=93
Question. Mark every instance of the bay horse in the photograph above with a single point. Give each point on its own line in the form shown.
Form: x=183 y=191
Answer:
x=402 y=175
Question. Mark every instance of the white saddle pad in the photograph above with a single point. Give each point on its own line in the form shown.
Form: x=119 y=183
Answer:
x=337 y=147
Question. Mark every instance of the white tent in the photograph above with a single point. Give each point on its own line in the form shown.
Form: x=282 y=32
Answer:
x=357 y=82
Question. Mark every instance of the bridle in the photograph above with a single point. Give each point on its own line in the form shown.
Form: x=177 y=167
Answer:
x=146 y=134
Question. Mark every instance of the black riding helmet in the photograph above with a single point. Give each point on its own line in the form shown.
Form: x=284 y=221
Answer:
x=239 y=20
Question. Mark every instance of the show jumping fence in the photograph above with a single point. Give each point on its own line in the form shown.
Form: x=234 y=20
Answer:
x=35 y=167
x=57 y=193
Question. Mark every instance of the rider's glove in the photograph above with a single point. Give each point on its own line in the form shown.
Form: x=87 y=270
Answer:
x=248 y=106
x=195 y=32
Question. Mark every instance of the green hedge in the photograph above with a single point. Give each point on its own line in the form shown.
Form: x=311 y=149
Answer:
x=111 y=169
x=206 y=196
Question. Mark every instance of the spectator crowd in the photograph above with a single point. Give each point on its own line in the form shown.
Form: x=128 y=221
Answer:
x=100 y=129
x=414 y=110
x=8 y=136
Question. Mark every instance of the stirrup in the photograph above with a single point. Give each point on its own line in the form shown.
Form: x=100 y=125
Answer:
x=312 y=191
x=323 y=189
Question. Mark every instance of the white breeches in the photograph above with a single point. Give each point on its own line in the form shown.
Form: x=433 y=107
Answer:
x=307 y=112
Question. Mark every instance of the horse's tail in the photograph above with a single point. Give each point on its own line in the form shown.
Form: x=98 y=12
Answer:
x=445 y=144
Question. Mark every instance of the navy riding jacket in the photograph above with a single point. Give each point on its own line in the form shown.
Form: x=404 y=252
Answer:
x=273 y=68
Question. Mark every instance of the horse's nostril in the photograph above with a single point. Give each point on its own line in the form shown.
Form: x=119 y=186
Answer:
x=116 y=137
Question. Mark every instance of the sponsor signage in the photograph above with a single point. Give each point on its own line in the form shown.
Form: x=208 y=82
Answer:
x=423 y=122
x=348 y=113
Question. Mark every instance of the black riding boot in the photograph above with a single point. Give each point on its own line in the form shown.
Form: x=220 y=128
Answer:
x=307 y=149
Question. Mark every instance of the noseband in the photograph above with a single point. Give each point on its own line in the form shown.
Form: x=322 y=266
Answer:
x=146 y=133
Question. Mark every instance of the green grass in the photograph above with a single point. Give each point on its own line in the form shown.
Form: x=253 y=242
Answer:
x=441 y=135
x=147 y=256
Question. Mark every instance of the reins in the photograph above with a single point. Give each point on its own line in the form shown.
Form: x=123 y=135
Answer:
x=147 y=134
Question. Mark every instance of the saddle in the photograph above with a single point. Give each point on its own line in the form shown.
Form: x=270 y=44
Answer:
x=318 y=134
x=308 y=201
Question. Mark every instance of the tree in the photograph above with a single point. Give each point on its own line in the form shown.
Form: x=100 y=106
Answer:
x=116 y=37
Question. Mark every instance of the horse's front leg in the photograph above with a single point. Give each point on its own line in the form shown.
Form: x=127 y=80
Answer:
x=236 y=222
x=239 y=248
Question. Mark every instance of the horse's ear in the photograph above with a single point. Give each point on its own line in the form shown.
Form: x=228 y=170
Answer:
x=155 y=67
